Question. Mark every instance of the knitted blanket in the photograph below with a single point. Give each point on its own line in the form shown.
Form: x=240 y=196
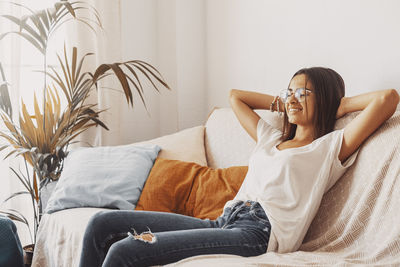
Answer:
x=358 y=220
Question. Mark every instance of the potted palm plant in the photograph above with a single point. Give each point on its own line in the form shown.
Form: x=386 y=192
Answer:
x=42 y=138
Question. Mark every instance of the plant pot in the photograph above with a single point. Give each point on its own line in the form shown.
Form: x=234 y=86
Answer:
x=28 y=254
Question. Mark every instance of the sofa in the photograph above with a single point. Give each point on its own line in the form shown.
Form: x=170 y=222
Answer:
x=357 y=222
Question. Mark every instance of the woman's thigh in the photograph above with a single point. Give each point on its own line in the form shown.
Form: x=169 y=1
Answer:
x=172 y=246
x=126 y=221
x=107 y=227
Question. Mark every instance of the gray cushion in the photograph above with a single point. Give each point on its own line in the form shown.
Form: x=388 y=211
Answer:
x=111 y=177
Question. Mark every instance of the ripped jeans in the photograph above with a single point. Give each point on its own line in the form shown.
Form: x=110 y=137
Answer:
x=146 y=238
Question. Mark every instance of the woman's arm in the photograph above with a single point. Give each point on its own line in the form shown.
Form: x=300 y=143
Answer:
x=376 y=108
x=243 y=104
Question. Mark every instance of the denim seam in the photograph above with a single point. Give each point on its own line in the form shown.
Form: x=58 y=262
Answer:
x=255 y=216
x=236 y=209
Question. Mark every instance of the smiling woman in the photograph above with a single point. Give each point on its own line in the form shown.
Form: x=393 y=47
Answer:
x=289 y=171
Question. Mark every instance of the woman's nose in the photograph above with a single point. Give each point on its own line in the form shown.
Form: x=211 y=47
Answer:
x=292 y=99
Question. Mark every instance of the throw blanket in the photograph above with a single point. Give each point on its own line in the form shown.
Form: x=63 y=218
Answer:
x=358 y=220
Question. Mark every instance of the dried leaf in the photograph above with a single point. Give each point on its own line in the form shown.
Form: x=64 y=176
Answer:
x=13 y=217
x=16 y=194
x=35 y=187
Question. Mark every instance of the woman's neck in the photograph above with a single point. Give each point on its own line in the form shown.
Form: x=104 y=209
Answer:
x=304 y=134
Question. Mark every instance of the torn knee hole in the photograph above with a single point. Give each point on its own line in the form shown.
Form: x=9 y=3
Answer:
x=147 y=237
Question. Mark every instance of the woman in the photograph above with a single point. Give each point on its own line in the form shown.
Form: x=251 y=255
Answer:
x=288 y=174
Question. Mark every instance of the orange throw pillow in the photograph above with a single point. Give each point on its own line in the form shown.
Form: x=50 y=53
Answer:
x=190 y=189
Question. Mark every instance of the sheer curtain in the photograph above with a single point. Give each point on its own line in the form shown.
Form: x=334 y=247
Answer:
x=20 y=61
x=110 y=44
x=105 y=44
x=170 y=35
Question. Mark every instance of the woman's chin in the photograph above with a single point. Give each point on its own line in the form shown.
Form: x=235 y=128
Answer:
x=297 y=121
x=293 y=120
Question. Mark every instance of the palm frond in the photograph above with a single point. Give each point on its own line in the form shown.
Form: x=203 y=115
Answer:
x=15 y=217
x=124 y=77
x=37 y=26
x=5 y=101
x=16 y=194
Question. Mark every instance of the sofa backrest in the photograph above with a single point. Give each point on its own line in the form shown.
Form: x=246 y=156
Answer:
x=226 y=142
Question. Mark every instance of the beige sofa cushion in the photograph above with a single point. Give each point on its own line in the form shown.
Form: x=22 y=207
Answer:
x=186 y=145
x=226 y=142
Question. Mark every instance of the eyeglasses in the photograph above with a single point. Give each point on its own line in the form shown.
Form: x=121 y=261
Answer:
x=299 y=94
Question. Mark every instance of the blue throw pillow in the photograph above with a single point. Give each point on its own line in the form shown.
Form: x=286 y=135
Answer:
x=106 y=177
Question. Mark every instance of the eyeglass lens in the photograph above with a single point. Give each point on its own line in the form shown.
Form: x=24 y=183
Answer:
x=299 y=94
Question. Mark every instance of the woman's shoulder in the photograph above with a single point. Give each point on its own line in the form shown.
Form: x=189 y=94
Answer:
x=331 y=135
x=331 y=139
x=264 y=127
x=267 y=133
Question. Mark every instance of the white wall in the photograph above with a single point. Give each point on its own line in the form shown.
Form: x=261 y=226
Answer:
x=258 y=45
x=206 y=47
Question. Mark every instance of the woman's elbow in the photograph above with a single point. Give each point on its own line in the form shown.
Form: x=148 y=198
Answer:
x=395 y=95
x=390 y=99
x=232 y=93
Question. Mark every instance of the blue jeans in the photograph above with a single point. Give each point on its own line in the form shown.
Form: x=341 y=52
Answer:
x=10 y=247
x=145 y=238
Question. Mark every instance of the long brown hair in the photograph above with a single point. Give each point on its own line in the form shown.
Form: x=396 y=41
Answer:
x=329 y=89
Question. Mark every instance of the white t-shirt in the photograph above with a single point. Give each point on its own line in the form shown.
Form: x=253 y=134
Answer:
x=289 y=184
